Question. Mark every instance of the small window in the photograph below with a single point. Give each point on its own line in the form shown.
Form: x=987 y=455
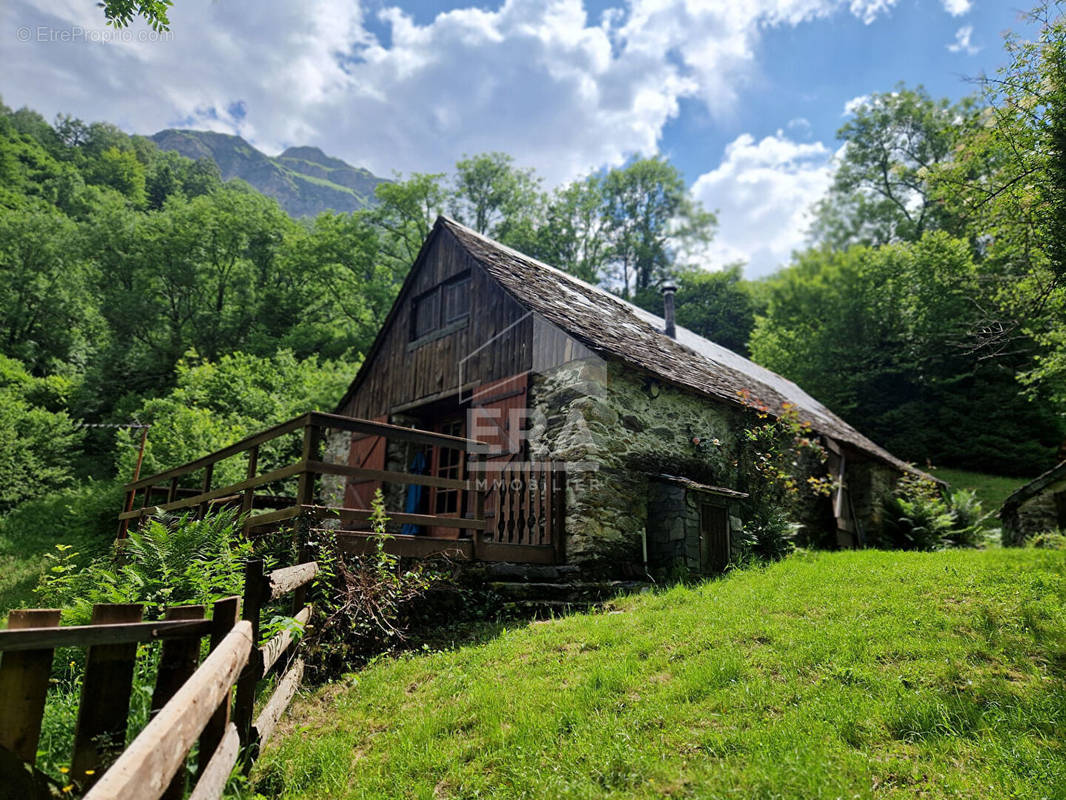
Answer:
x=456 y=299
x=426 y=314
x=442 y=306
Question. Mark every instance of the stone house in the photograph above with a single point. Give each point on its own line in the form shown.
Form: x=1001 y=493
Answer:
x=1038 y=507
x=560 y=378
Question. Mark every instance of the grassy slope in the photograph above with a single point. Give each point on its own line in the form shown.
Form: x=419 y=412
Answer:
x=991 y=490
x=83 y=517
x=864 y=674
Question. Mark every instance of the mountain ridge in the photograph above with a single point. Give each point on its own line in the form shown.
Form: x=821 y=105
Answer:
x=303 y=179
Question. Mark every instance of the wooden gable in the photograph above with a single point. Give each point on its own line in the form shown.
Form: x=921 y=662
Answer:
x=410 y=364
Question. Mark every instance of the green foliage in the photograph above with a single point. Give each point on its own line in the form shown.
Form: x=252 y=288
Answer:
x=82 y=516
x=719 y=306
x=651 y=219
x=781 y=466
x=883 y=336
x=881 y=191
x=362 y=602
x=966 y=515
x=35 y=441
x=217 y=403
x=121 y=13
x=171 y=560
x=494 y=197
x=919 y=516
x=1052 y=540
x=47 y=317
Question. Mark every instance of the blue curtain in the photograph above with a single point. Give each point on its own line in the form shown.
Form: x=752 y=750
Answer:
x=413 y=502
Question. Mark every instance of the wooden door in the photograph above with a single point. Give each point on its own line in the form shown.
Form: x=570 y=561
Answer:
x=714 y=538
x=367 y=452
x=446 y=462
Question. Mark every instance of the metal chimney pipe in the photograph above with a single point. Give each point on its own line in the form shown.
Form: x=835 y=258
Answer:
x=669 y=290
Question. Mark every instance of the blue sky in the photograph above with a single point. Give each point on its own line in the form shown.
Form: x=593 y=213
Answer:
x=745 y=96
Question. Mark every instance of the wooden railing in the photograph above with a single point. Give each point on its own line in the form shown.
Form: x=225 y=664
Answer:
x=526 y=529
x=189 y=703
x=295 y=485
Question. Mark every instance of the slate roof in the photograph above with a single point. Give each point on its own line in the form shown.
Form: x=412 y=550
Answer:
x=1053 y=476
x=612 y=327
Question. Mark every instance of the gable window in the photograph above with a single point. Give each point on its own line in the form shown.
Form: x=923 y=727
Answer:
x=441 y=310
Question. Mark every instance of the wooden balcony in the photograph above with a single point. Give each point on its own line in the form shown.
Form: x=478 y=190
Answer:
x=285 y=470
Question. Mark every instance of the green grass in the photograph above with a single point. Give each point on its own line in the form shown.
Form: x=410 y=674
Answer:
x=836 y=675
x=84 y=517
x=991 y=490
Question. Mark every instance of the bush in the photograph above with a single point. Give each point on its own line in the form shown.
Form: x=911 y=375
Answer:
x=919 y=517
x=1050 y=540
x=966 y=516
x=82 y=517
x=363 y=603
x=171 y=560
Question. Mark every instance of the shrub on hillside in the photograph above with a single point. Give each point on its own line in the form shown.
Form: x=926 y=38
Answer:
x=1050 y=540
x=919 y=516
x=362 y=602
x=37 y=437
x=172 y=560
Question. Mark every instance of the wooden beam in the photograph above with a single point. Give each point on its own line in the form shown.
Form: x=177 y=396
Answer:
x=12 y=640
x=213 y=777
x=177 y=664
x=104 y=709
x=363 y=514
x=224 y=491
x=144 y=770
x=219 y=455
x=24 y=686
x=267 y=721
x=282 y=581
x=388 y=476
x=224 y=616
x=396 y=432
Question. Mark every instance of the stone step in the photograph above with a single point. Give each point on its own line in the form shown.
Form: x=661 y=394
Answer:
x=505 y=570
x=573 y=592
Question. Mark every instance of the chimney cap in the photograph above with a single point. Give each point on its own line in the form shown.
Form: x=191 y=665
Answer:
x=668 y=288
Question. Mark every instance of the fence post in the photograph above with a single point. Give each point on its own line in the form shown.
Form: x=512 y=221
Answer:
x=105 y=697
x=24 y=685
x=244 y=704
x=177 y=663
x=248 y=499
x=224 y=616
x=209 y=472
x=305 y=494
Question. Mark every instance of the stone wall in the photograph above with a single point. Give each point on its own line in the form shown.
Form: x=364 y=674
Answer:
x=614 y=427
x=1044 y=513
x=869 y=483
x=674 y=528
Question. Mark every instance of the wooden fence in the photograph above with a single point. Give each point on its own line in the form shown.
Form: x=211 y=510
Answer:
x=191 y=701
x=524 y=530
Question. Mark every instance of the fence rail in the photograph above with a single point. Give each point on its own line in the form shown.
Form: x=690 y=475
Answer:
x=165 y=491
x=191 y=701
x=526 y=502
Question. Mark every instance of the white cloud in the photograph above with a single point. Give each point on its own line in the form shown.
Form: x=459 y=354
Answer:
x=763 y=191
x=855 y=103
x=957 y=7
x=535 y=78
x=962 y=43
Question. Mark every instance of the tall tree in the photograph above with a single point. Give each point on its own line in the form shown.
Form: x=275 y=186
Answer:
x=494 y=197
x=650 y=215
x=574 y=234
x=881 y=191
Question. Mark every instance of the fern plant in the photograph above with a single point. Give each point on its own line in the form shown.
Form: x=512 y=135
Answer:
x=172 y=559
